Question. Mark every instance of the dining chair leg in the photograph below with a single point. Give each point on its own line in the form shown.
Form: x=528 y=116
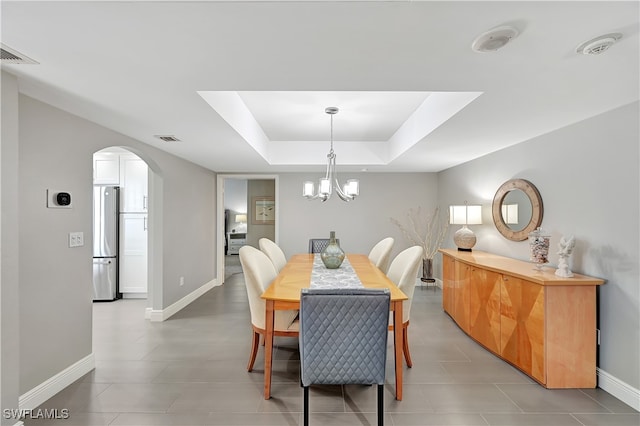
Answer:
x=405 y=345
x=254 y=350
x=380 y=405
x=305 y=409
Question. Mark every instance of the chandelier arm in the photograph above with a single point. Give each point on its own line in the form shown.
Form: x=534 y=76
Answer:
x=339 y=191
x=341 y=194
x=313 y=197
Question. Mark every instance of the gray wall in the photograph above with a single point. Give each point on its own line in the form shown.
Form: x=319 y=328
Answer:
x=588 y=177
x=9 y=313
x=55 y=306
x=358 y=224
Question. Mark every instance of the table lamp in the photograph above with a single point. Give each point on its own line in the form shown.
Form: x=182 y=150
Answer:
x=465 y=215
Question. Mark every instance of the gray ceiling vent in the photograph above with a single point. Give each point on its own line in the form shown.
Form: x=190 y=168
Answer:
x=167 y=138
x=11 y=56
x=597 y=45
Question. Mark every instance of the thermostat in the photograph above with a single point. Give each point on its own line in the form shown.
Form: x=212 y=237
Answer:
x=57 y=199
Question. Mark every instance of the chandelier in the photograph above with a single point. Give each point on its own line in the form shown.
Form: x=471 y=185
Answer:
x=325 y=186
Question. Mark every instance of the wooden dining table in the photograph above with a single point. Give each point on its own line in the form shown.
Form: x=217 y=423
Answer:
x=284 y=294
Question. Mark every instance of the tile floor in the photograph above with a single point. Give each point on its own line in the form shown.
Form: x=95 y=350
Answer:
x=191 y=370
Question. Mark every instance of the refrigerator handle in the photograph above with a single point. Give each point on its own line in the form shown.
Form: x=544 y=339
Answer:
x=102 y=262
x=144 y=226
x=144 y=202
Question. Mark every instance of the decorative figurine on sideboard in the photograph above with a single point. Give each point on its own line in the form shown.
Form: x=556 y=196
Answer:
x=565 y=247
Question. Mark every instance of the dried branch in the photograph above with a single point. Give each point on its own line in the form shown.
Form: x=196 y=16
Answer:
x=427 y=231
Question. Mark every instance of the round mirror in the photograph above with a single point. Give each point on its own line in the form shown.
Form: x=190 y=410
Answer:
x=517 y=209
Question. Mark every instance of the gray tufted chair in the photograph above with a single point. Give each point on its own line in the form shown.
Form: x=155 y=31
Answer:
x=343 y=339
x=316 y=245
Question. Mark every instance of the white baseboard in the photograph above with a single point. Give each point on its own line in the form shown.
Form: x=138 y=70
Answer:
x=621 y=390
x=135 y=295
x=159 y=315
x=36 y=396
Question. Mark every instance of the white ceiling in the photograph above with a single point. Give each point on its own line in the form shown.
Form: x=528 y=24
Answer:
x=244 y=85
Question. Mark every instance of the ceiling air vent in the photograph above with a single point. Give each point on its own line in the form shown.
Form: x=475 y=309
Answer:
x=11 y=56
x=168 y=138
x=597 y=45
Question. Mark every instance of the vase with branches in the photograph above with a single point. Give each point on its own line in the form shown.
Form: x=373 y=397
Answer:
x=426 y=230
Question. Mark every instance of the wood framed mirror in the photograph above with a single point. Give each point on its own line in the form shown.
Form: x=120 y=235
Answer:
x=517 y=209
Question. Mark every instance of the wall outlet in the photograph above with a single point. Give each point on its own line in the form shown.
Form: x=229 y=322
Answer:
x=181 y=281
x=76 y=239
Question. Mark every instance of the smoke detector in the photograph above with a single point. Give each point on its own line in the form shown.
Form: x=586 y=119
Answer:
x=597 y=45
x=494 y=39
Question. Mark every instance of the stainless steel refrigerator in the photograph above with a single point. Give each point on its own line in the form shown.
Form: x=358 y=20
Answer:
x=106 y=202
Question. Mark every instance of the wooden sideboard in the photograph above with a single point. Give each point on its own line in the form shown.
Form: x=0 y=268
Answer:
x=542 y=324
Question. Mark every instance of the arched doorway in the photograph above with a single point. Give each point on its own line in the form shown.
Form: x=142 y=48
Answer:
x=139 y=255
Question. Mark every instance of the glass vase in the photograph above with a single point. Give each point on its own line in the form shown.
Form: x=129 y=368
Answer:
x=332 y=255
x=539 y=246
x=427 y=271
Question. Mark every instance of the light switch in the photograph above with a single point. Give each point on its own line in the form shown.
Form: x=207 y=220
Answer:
x=76 y=239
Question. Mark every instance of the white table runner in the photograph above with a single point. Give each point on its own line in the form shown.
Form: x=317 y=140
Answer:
x=343 y=277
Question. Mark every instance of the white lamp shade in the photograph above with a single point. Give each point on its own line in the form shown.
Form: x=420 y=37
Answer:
x=307 y=189
x=352 y=187
x=474 y=215
x=465 y=215
x=324 y=187
x=241 y=218
x=458 y=215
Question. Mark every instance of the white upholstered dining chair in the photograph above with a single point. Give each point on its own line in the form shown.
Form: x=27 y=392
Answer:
x=380 y=254
x=403 y=271
x=273 y=252
x=258 y=274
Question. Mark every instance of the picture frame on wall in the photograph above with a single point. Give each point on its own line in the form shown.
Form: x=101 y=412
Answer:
x=263 y=211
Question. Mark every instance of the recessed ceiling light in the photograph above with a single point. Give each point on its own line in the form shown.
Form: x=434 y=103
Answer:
x=494 y=39
x=597 y=45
